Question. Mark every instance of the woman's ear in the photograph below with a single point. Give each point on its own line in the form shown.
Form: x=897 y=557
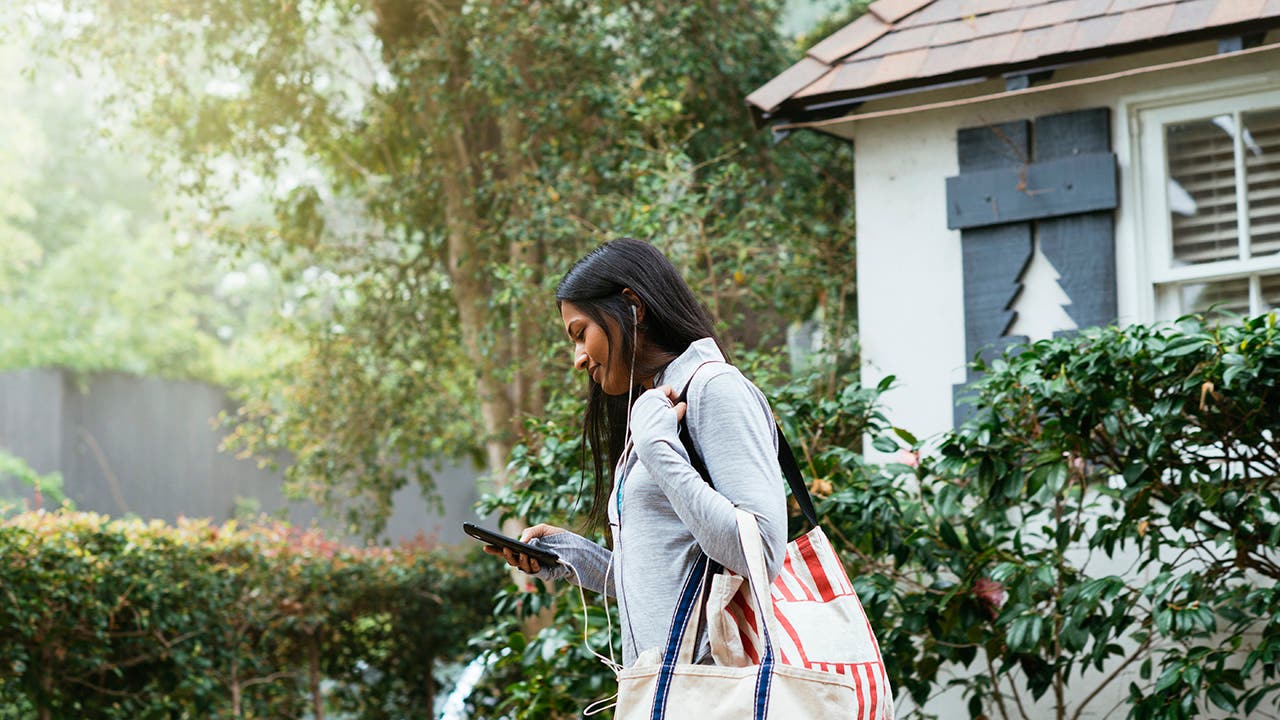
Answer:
x=634 y=300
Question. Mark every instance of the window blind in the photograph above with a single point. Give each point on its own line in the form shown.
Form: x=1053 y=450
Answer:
x=1270 y=292
x=1202 y=190
x=1219 y=295
x=1206 y=193
x=1262 y=174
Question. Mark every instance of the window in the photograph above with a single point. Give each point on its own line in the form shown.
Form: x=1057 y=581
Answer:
x=1212 y=191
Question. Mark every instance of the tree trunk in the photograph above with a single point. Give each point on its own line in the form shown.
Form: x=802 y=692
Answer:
x=461 y=144
x=429 y=684
x=313 y=671
x=467 y=272
x=235 y=688
x=46 y=685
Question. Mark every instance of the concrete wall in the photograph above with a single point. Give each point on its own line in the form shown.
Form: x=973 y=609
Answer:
x=910 y=294
x=148 y=447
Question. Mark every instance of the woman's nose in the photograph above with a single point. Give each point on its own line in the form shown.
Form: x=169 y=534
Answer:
x=579 y=359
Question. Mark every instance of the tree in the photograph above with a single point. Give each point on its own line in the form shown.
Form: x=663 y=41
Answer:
x=445 y=160
x=18 y=138
x=96 y=270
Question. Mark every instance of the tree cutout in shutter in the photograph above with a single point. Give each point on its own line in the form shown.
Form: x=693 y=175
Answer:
x=1040 y=306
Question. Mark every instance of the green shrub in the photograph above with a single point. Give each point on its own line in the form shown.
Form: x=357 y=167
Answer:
x=44 y=488
x=116 y=619
x=1112 y=505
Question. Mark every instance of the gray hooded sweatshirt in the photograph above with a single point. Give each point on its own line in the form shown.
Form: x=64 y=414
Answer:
x=661 y=511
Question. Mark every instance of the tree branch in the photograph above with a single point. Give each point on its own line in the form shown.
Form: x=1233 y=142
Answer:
x=1111 y=677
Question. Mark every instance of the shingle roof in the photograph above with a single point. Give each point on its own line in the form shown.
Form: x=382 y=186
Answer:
x=902 y=44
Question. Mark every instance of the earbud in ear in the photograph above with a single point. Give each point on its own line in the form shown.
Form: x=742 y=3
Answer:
x=633 y=313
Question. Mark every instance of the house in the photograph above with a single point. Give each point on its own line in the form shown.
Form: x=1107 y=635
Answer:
x=1028 y=167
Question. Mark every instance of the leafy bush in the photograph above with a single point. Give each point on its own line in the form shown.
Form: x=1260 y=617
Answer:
x=44 y=488
x=541 y=666
x=1112 y=507
x=114 y=619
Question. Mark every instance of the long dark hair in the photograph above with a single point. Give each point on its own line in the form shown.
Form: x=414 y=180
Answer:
x=673 y=318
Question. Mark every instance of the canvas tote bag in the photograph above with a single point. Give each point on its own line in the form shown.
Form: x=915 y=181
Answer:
x=820 y=622
x=677 y=689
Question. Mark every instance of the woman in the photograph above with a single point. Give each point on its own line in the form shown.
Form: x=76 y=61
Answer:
x=638 y=332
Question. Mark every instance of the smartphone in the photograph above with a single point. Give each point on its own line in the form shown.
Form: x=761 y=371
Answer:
x=545 y=557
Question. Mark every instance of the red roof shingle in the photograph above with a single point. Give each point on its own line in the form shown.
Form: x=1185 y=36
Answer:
x=903 y=44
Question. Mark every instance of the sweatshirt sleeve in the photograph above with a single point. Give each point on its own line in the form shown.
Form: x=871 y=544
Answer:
x=734 y=432
x=589 y=561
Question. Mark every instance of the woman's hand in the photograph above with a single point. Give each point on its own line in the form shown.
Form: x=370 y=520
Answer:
x=656 y=416
x=670 y=393
x=520 y=560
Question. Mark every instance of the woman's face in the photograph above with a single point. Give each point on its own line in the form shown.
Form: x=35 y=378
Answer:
x=591 y=349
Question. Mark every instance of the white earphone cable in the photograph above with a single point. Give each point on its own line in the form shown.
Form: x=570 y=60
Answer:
x=631 y=383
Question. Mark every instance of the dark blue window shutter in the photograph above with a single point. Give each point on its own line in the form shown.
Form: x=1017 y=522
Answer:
x=1054 y=178
x=1082 y=246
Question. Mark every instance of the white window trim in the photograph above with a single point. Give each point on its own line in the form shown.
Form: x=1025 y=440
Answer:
x=1147 y=114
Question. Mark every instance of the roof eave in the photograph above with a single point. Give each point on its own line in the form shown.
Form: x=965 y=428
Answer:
x=791 y=109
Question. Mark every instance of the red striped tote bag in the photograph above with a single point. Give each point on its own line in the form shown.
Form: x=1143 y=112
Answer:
x=820 y=623
x=677 y=689
x=820 y=620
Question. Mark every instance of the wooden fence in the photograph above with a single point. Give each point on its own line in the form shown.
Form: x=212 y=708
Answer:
x=149 y=447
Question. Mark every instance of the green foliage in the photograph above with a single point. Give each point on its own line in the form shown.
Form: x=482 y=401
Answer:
x=1128 y=479
x=98 y=270
x=44 y=488
x=112 y=619
x=546 y=670
x=444 y=162
x=1112 y=507
x=72 y=313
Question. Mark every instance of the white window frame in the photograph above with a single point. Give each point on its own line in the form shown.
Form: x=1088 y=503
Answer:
x=1159 y=290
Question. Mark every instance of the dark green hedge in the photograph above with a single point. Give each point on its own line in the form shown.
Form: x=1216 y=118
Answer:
x=119 y=619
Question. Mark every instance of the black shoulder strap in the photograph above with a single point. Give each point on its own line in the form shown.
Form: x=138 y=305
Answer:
x=786 y=459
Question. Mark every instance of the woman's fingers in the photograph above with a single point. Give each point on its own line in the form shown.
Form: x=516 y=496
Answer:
x=514 y=559
x=539 y=530
x=522 y=561
x=674 y=397
x=518 y=559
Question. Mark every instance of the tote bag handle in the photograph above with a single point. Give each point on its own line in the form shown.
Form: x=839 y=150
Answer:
x=682 y=636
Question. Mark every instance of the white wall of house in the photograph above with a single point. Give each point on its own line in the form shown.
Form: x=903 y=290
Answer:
x=911 y=300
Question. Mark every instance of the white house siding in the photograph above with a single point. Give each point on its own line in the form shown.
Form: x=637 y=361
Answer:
x=910 y=295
